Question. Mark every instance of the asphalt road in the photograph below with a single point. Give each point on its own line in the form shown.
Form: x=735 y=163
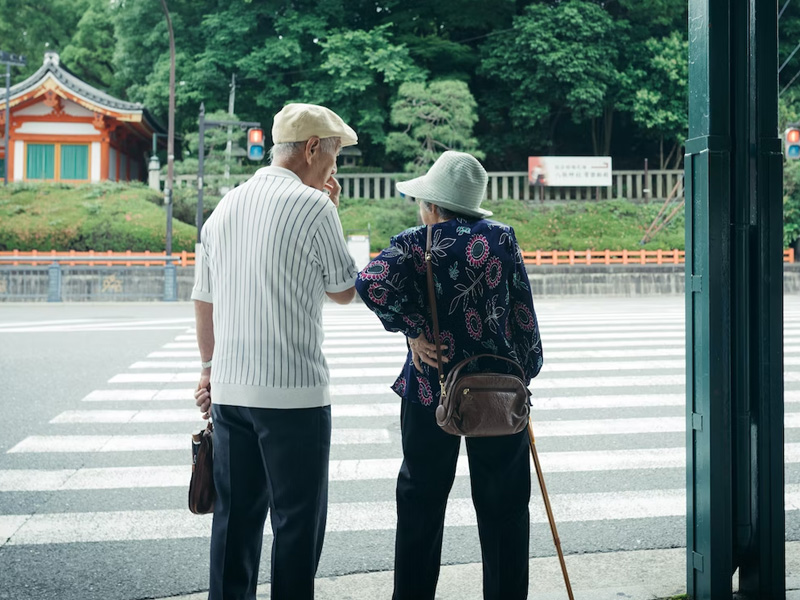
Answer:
x=96 y=417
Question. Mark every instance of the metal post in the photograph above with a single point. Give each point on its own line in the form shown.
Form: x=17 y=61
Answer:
x=708 y=429
x=734 y=273
x=8 y=122
x=54 y=282
x=170 y=282
x=201 y=151
x=646 y=190
x=170 y=130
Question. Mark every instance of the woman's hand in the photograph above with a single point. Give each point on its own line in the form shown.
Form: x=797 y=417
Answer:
x=424 y=351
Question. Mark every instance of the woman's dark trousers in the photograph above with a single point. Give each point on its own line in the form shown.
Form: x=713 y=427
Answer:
x=501 y=488
x=274 y=459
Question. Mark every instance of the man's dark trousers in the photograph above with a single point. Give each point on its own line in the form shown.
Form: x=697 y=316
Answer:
x=500 y=475
x=274 y=459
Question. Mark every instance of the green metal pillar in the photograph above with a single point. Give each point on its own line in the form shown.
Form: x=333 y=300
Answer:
x=734 y=302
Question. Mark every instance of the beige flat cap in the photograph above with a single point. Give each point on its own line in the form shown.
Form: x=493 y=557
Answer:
x=299 y=122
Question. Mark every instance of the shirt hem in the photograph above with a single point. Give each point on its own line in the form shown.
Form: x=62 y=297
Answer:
x=334 y=288
x=202 y=296
x=251 y=396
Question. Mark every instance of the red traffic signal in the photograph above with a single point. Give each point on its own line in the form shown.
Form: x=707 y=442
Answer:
x=255 y=143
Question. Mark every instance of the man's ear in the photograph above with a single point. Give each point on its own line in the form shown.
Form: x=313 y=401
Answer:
x=312 y=147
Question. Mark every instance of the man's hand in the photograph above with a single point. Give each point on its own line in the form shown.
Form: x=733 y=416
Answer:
x=424 y=351
x=333 y=189
x=202 y=395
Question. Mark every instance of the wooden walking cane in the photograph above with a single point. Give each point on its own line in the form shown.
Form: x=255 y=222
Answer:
x=549 y=511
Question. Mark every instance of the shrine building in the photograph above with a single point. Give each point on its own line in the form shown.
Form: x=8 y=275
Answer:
x=63 y=129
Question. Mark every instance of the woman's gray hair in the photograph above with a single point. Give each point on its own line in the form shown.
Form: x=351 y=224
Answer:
x=443 y=212
x=286 y=151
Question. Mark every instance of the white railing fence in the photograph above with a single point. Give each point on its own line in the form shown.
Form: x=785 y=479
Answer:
x=629 y=185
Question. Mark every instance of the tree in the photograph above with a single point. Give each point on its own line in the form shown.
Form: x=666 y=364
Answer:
x=436 y=117
x=559 y=60
x=659 y=93
x=87 y=54
x=32 y=28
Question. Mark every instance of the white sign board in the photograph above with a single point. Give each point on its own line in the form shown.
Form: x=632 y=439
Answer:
x=570 y=171
x=358 y=245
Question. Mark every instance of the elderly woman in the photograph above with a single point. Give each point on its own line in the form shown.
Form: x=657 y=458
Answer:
x=484 y=305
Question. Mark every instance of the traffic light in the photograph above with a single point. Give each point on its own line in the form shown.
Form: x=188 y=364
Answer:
x=791 y=139
x=255 y=143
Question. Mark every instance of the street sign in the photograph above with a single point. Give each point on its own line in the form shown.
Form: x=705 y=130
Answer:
x=16 y=60
x=570 y=171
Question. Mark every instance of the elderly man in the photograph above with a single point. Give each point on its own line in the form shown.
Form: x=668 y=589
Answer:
x=271 y=252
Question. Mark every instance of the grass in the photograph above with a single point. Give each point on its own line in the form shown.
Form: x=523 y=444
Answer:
x=119 y=217
x=101 y=217
x=613 y=225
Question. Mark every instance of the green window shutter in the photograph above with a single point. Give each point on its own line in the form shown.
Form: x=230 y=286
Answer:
x=2 y=166
x=41 y=161
x=74 y=161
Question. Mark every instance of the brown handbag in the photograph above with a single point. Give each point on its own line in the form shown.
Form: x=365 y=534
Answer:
x=477 y=404
x=201 y=484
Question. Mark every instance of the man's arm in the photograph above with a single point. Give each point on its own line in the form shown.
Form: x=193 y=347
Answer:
x=204 y=323
x=345 y=297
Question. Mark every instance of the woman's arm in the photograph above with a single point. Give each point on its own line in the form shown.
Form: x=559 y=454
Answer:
x=524 y=325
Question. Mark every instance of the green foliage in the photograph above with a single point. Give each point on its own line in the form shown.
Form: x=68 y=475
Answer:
x=31 y=28
x=560 y=59
x=613 y=225
x=87 y=54
x=385 y=218
x=435 y=117
x=659 y=88
x=791 y=203
x=99 y=217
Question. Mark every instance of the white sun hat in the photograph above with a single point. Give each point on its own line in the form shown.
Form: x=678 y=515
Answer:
x=299 y=122
x=456 y=181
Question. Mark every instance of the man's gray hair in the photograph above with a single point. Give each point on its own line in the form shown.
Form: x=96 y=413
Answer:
x=286 y=151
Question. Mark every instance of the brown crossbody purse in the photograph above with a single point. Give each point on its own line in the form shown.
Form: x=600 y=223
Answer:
x=476 y=404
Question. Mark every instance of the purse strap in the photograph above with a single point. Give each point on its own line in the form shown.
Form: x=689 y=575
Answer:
x=434 y=315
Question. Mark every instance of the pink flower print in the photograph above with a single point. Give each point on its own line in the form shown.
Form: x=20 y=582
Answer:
x=523 y=316
x=477 y=250
x=425 y=393
x=414 y=321
x=375 y=271
x=508 y=329
x=400 y=386
x=447 y=340
x=474 y=324
x=377 y=293
x=494 y=272
x=419 y=258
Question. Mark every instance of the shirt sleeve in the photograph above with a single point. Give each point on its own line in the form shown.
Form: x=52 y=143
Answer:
x=202 y=276
x=524 y=326
x=338 y=267
x=390 y=287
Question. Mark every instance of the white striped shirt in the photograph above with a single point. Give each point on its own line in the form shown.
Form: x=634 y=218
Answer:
x=270 y=251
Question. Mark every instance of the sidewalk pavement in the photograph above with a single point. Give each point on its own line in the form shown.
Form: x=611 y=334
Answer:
x=632 y=575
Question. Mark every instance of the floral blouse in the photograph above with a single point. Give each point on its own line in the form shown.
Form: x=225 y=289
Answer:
x=483 y=298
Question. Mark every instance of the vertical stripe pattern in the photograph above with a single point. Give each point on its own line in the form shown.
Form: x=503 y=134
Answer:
x=270 y=252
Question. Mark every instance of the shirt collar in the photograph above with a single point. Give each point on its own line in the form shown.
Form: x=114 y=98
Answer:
x=278 y=172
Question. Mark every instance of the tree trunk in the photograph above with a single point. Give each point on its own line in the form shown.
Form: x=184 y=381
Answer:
x=608 y=124
x=661 y=152
x=594 y=137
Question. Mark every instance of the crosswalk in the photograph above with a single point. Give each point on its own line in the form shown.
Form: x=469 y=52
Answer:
x=608 y=404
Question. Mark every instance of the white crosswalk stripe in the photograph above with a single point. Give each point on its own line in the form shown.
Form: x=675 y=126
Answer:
x=609 y=401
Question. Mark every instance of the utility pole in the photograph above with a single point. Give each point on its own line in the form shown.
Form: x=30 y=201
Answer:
x=8 y=60
x=229 y=146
